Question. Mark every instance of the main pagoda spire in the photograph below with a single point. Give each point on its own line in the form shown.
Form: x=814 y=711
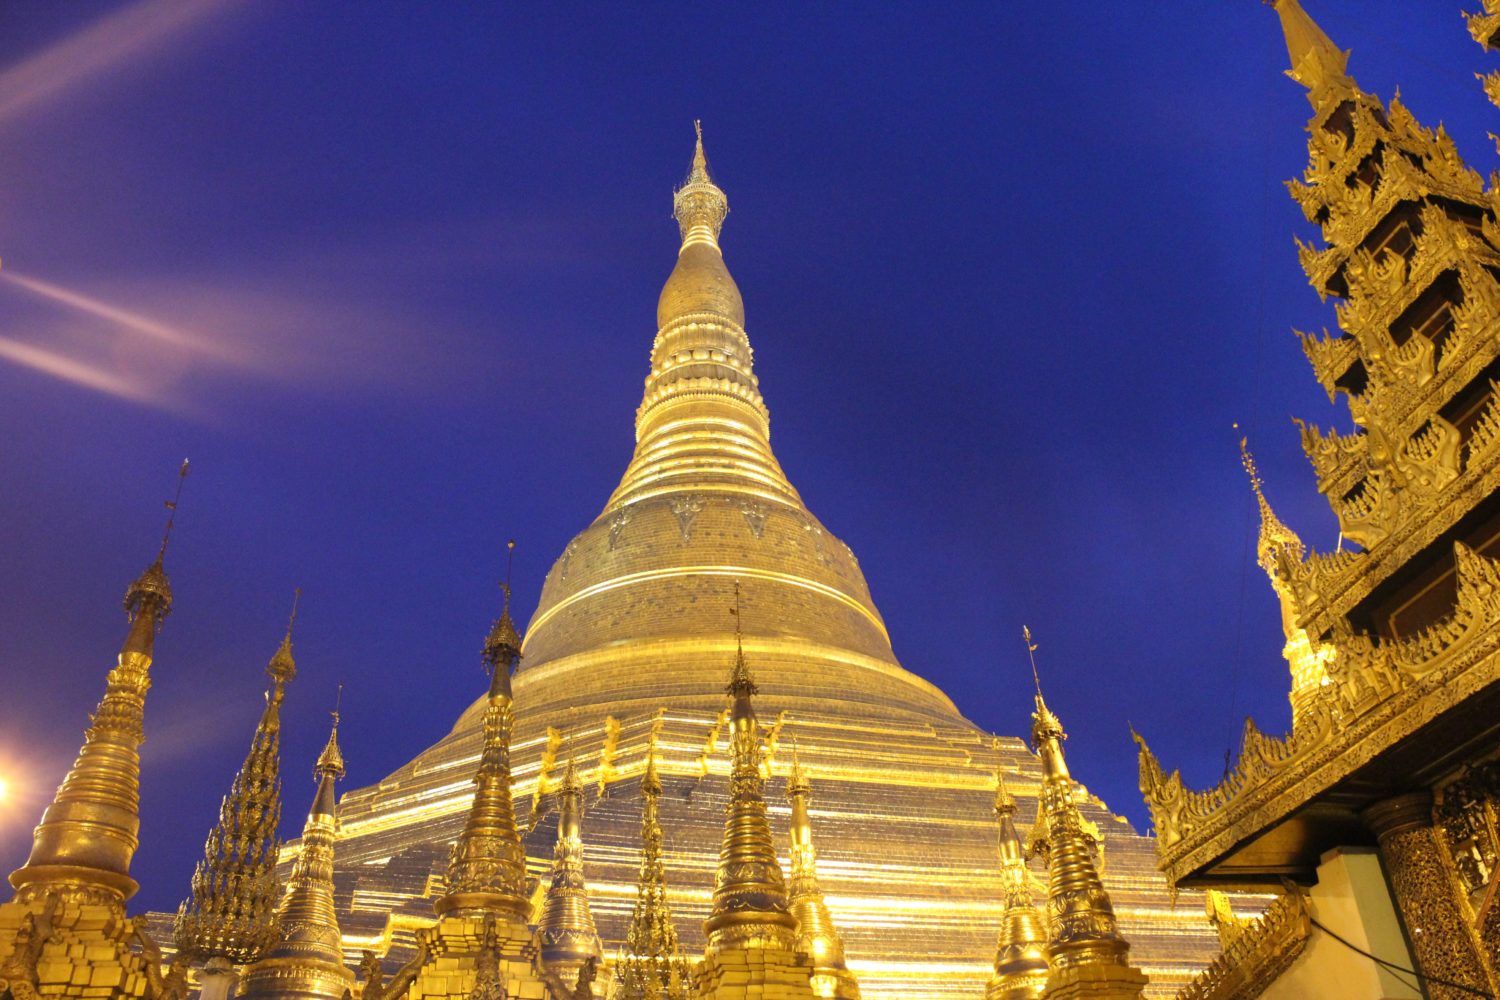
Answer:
x=230 y=918
x=307 y=961
x=702 y=422
x=817 y=937
x=567 y=930
x=89 y=833
x=1021 y=949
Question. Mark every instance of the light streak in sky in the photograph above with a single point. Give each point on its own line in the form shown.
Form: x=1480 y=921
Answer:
x=101 y=46
x=72 y=370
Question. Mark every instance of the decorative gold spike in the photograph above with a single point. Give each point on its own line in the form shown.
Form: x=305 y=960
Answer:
x=231 y=914
x=89 y=833
x=699 y=206
x=568 y=935
x=1084 y=941
x=307 y=961
x=1278 y=551
x=651 y=964
x=817 y=937
x=1317 y=63
x=487 y=868
x=750 y=903
x=1021 y=948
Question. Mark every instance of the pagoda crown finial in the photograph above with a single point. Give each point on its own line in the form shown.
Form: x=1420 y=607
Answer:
x=282 y=667
x=700 y=205
x=331 y=760
x=1274 y=534
x=1317 y=63
x=502 y=647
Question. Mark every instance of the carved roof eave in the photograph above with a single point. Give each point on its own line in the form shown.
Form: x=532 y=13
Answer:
x=1261 y=952
x=1484 y=26
x=1329 y=585
x=1401 y=182
x=1378 y=696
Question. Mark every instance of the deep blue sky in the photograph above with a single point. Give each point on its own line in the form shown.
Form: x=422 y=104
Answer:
x=387 y=274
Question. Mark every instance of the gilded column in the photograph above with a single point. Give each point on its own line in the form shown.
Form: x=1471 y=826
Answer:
x=307 y=961
x=230 y=918
x=1021 y=950
x=816 y=935
x=1086 y=954
x=568 y=935
x=1442 y=935
x=652 y=964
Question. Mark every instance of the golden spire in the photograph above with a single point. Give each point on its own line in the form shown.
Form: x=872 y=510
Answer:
x=487 y=869
x=1317 y=63
x=1084 y=942
x=567 y=931
x=816 y=935
x=231 y=914
x=88 y=834
x=651 y=964
x=750 y=903
x=1021 y=950
x=1277 y=550
x=702 y=422
x=307 y=960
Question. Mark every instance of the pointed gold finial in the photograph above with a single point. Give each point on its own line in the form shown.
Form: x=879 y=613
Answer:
x=568 y=934
x=699 y=206
x=307 y=958
x=487 y=865
x=817 y=937
x=282 y=667
x=1273 y=533
x=1317 y=63
x=331 y=760
x=749 y=901
x=88 y=835
x=502 y=647
x=1085 y=944
x=230 y=917
x=1020 y=969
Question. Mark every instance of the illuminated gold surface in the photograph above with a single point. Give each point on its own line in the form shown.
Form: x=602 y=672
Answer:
x=231 y=914
x=629 y=638
x=1255 y=951
x=307 y=960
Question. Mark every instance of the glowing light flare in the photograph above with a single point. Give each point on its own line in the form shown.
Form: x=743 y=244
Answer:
x=97 y=48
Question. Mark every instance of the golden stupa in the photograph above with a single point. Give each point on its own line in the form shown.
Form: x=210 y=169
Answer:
x=633 y=637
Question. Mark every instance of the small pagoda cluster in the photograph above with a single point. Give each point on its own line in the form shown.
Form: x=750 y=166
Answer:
x=769 y=934
x=1386 y=786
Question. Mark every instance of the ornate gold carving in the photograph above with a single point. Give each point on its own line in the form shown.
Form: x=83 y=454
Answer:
x=231 y=914
x=651 y=964
x=1256 y=952
x=1434 y=914
x=817 y=937
x=566 y=929
x=1377 y=693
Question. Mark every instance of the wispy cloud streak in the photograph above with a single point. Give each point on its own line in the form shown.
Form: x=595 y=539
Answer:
x=106 y=44
x=72 y=370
